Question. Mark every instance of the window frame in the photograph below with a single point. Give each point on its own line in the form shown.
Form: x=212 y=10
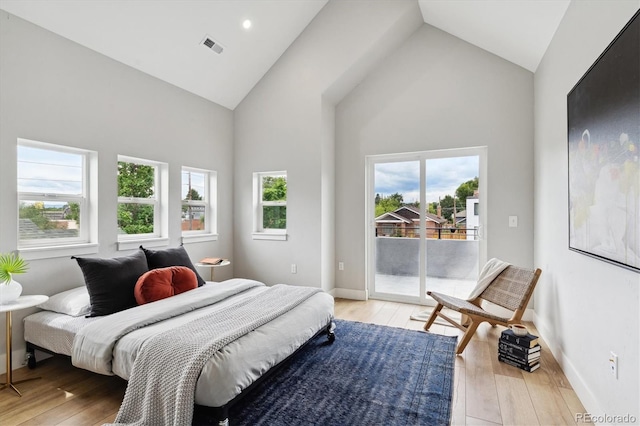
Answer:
x=86 y=241
x=160 y=211
x=210 y=232
x=259 y=232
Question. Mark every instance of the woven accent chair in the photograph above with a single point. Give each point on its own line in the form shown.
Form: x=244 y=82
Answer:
x=512 y=290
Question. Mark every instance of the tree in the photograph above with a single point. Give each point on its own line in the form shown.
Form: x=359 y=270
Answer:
x=72 y=212
x=446 y=206
x=274 y=188
x=193 y=194
x=34 y=212
x=466 y=189
x=135 y=181
x=388 y=204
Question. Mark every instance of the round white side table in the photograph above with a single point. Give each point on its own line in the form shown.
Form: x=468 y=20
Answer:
x=21 y=302
x=208 y=265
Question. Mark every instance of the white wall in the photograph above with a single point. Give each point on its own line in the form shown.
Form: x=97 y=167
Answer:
x=53 y=90
x=286 y=124
x=584 y=307
x=438 y=92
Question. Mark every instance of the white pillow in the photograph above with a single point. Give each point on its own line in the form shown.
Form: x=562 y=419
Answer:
x=74 y=302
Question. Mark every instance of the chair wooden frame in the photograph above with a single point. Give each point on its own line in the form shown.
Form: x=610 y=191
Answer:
x=512 y=289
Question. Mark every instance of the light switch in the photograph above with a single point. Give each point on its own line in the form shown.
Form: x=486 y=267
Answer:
x=513 y=221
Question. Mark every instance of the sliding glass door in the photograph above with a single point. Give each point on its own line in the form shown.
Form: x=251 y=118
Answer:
x=425 y=223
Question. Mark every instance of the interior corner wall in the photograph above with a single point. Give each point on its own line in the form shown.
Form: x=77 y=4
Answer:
x=54 y=90
x=328 y=187
x=285 y=123
x=438 y=92
x=585 y=308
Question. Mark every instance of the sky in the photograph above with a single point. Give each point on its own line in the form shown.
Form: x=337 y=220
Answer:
x=444 y=175
x=37 y=166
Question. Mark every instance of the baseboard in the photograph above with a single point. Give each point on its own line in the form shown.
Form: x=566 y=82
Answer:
x=583 y=392
x=347 y=293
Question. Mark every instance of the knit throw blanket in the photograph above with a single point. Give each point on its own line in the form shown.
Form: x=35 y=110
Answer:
x=161 y=389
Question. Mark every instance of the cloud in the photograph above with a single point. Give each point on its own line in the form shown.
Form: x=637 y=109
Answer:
x=444 y=175
x=44 y=171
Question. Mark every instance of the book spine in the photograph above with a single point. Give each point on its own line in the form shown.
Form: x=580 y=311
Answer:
x=527 y=349
x=518 y=350
x=520 y=359
x=522 y=341
x=524 y=367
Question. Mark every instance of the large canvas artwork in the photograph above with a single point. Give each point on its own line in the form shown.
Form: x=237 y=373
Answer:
x=604 y=141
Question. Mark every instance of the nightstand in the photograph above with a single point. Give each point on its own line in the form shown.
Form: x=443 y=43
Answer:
x=208 y=265
x=21 y=302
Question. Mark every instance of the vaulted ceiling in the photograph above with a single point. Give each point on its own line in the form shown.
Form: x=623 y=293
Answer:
x=164 y=38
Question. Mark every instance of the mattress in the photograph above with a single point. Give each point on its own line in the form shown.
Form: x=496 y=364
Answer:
x=229 y=371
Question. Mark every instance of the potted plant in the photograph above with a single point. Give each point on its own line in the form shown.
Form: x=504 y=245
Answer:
x=10 y=264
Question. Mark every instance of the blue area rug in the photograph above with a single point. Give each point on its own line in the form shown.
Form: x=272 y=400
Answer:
x=370 y=375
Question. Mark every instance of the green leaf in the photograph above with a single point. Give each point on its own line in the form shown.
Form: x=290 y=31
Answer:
x=11 y=263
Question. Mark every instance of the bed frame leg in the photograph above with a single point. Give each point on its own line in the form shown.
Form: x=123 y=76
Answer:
x=31 y=356
x=330 y=334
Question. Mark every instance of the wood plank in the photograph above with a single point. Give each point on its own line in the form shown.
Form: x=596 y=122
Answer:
x=401 y=318
x=472 y=421
x=384 y=314
x=458 y=405
x=482 y=396
x=573 y=402
x=107 y=406
x=52 y=398
x=547 y=400
x=515 y=404
x=81 y=402
x=549 y=362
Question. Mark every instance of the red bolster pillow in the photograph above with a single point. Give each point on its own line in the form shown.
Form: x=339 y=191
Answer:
x=161 y=283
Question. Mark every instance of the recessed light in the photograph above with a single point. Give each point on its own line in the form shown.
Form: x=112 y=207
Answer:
x=246 y=24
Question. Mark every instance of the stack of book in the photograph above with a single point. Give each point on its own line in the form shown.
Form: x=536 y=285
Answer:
x=520 y=351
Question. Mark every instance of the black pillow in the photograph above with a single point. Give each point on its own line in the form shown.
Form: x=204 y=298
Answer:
x=170 y=257
x=111 y=282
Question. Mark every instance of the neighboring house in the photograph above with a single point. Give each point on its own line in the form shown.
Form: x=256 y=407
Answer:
x=461 y=219
x=473 y=216
x=29 y=230
x=405 y=222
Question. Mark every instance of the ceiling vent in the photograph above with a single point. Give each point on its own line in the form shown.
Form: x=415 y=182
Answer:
x=212 y=44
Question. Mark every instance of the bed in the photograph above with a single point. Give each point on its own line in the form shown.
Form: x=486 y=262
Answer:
x=225 y=376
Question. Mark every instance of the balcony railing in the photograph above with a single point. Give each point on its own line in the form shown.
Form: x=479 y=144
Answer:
x=432 y=233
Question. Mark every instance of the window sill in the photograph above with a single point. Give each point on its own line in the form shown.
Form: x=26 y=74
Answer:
x=269 y=236
x=199 y=238
x=35 y=253
x=146 y=242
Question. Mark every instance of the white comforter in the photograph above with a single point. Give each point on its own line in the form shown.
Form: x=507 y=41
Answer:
x=93 y=345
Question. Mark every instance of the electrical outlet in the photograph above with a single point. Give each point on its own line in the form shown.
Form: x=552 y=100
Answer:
x=294 y=268
x=340 y=266
x=613 y=364
x=513 y=221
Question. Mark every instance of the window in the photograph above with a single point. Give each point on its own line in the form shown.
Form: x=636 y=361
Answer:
x=141 y=212
x=53 y=195
x=198 y=203
x=270 y=217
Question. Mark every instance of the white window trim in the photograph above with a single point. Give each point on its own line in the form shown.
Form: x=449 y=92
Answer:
x=210 y=233
x=86 y=242
x=260 y=233
x=160 y=199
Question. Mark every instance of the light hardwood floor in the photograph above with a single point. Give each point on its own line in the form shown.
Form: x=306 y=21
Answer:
x=486 y=391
